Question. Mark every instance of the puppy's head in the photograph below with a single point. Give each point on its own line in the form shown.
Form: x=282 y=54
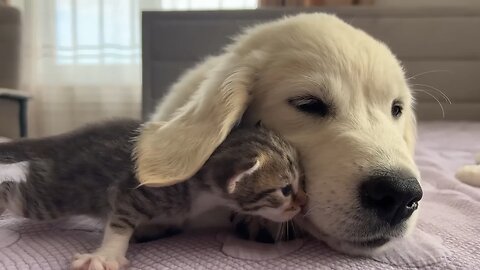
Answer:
x=339 y=96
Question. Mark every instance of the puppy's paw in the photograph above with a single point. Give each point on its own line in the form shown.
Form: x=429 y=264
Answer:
x=98 y=262
x=263 y=230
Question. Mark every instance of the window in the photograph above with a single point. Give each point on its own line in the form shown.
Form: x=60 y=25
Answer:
x=92 y=32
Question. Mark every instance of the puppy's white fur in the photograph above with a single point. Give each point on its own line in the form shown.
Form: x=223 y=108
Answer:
x=308 y=54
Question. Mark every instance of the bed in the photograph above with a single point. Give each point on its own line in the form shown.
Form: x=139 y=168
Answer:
x=447 y=236
x=448 y=233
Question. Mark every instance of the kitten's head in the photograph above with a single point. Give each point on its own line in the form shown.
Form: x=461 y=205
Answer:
x=264 y=175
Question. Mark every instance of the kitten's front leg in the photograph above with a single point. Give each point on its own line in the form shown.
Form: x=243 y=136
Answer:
x=111 y=254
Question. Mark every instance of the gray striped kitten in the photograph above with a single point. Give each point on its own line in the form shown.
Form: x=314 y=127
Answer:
x=91 y=172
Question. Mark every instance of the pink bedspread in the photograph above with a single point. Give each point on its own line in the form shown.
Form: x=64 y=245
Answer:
x=447 y=237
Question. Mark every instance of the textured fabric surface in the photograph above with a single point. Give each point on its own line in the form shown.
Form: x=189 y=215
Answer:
x=447 y=237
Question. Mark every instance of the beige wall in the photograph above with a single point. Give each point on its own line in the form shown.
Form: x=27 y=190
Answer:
x=9 y=119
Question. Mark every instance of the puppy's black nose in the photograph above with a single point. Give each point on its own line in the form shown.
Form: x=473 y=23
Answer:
x=393 y=197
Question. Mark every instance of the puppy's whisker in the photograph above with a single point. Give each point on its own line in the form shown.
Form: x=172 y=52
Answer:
x=315 y=203
x=447 y=99
x=426 y=72
x=310 y=209
x=310 y=194
x=314 y=208
x=307 y=214
x=434 y=97
x=312 y=198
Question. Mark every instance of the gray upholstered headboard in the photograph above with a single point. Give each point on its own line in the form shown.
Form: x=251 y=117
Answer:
x=442 y=43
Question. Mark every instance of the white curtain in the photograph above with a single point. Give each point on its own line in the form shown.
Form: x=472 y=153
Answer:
x=82 y=58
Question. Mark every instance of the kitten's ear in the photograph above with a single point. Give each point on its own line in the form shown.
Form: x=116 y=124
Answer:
x=240 y=173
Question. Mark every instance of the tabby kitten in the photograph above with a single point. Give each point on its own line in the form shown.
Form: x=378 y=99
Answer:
x=91 y=172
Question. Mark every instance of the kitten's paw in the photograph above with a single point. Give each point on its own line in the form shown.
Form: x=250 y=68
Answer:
x=98 y=262
x=263 y=230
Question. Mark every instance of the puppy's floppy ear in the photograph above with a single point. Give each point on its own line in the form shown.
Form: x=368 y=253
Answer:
x=176 y=150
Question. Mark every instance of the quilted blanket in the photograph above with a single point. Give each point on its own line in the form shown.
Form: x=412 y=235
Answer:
x=447 y=236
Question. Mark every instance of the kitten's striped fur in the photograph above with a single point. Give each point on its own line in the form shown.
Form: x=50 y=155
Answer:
x=91 y=172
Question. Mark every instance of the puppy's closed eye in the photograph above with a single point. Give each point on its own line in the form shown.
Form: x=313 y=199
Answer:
x=311 y=105
x=397 y=109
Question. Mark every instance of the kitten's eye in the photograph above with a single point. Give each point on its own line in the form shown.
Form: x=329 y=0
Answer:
x=287 y=190
x=310 y=104
x=397 y=109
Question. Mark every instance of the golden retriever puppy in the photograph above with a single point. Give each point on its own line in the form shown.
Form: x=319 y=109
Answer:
x=337 y=94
